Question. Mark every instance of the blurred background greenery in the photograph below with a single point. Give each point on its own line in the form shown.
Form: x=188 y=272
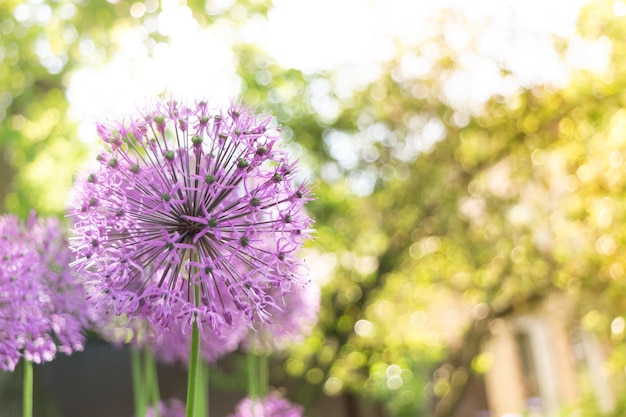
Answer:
x=467 y=159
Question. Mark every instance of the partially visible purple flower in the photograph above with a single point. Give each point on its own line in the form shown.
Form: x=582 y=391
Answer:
x=172 y=408
x=291 y=320
x=42 y=307
x=187 y=196
x=271 y=406
x=21 y=315
x=70 y=314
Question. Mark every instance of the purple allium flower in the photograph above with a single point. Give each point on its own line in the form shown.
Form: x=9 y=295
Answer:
x=292 y=320
x=70 y=314
x=271 y=406
x=42 y=307
x=173 y=408
x=187 y=196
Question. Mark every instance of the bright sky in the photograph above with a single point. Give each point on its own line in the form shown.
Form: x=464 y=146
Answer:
x=350 y=37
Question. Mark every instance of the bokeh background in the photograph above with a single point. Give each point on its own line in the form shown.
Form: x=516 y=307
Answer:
x=468 y=166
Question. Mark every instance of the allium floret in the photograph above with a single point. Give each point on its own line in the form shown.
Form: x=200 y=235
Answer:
x=191 y=199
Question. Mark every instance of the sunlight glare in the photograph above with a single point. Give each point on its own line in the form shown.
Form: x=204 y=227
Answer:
x=351 y=40
x=194 y=63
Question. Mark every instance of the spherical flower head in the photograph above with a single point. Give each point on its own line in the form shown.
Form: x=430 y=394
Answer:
x=271 y=406
x=186 y=197
x=42 y=307
x=291 y=320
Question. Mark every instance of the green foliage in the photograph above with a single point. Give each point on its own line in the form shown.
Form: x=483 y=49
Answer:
x=523 y=200
x=46 y=41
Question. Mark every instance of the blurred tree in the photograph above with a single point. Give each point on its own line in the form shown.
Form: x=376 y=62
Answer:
x=433 y=238
x=44 y=41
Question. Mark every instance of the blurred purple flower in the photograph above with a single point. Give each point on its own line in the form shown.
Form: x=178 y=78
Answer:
x=292 y=320
x=186 y=196
x=271 y=406
x=42 y=306
x=172 y=408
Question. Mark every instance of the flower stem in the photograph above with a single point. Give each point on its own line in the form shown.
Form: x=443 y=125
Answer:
x=253 y=371
x=264 y=377
x=193 y=361
x=153 y=395
x=206 y=373
x=202 y=405
x=138 y=386
x=27 y=401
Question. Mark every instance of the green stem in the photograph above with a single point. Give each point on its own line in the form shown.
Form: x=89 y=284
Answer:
x=153 y=395
x=264 y=377
x=193 y=361
x=138 y=386
x=28 y=389
x=201 y=395
x=253 y=370
x=205 y=373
